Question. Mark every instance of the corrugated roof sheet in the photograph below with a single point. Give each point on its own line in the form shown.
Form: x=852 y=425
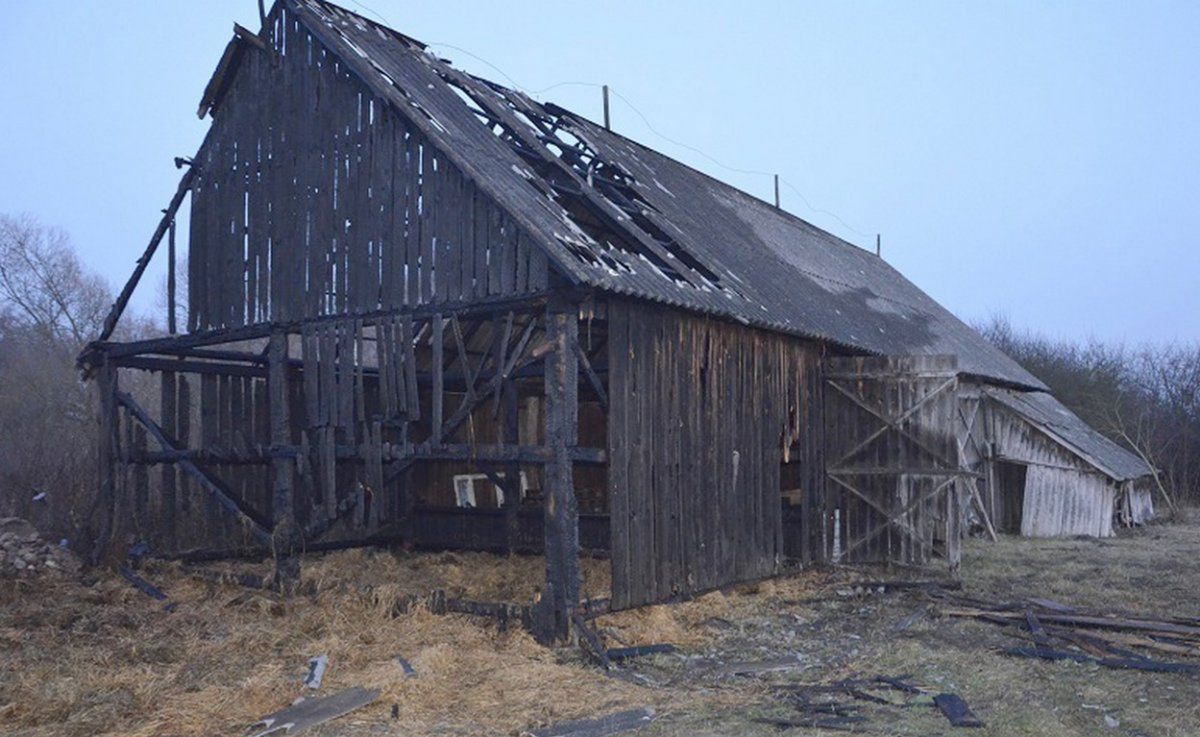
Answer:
x=618 y=216
x=1052 y=417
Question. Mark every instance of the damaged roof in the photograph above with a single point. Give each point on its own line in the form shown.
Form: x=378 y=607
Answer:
x=617 y=216
x=1052 y=417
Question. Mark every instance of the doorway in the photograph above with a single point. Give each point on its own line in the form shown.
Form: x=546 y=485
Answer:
x=1010 y=486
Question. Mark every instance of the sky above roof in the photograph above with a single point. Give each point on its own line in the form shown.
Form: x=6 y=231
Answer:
x=1036 y=160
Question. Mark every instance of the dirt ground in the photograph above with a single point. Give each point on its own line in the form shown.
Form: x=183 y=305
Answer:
x=102 y=658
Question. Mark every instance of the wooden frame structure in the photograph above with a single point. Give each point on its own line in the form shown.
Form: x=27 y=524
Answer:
x=400 y=273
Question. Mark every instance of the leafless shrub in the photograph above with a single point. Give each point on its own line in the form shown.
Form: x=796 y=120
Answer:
x=1147 y=399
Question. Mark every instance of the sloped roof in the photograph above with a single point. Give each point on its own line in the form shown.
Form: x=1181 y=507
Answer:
x=1052 y=417
x=615 y=215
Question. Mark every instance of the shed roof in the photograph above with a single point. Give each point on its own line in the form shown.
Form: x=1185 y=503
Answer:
x=618 y=216
x=1052 y=417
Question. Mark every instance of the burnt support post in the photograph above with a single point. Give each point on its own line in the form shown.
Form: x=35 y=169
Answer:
x=284 y=536
x=560 y=598
x=169 y=420
x=512 y=472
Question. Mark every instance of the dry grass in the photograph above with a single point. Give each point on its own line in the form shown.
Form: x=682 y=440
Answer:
x=106 y=659
x=688 y=624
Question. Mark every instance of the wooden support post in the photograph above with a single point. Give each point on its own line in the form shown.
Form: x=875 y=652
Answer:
x=103 y=508
x=169 y=420
x=285 y=534
x=512 y=472
x=171 y=278
x=561 y=595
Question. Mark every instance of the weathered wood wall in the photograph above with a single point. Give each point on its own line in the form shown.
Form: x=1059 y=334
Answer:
x=1063 y=495
x=700 y=413
x=314 y=197
x=893 y=458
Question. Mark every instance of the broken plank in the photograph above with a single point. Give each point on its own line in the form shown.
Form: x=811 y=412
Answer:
x=615 y=723
x=311 y=712
x=956 y=710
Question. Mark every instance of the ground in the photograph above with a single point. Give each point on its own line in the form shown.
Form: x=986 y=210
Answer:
x=99 y=657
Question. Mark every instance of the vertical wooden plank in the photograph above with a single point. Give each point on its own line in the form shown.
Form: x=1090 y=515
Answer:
x=618 y=453
x=102 y=522
x=285 y=533
x=209 y=438
x=183 y=430
x=436 y=366
x=170 y=424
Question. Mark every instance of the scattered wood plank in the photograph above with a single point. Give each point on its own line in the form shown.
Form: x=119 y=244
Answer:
x=145 y=586
x=311 y=712
x=1129 y=663
x=835 y=724
x=625 y=653
x=615 y=723
x=956 y=710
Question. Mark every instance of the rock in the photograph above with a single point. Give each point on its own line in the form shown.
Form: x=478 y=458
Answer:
x=18 y=527
x=24 y=554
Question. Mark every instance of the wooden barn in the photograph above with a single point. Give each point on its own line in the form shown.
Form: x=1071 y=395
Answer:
x=1051 y=475
x=424 y=308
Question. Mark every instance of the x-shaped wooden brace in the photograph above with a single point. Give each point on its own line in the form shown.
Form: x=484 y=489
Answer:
x=893 y=423
x=891 y=519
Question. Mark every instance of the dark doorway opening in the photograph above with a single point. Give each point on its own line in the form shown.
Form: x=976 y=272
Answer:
x=1010 y=483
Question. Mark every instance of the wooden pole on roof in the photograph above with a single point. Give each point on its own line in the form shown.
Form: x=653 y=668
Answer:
x=607 y=123
x=776 y=191
x=171 y=278
x=878 y=245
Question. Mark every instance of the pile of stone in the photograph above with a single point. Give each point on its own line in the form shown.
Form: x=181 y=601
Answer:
x=24 y=554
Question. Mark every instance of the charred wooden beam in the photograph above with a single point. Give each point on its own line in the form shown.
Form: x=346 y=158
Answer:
x=593 y=378
x=219 y=494
x=171 y=327
x=148 y=363
x=110 y=322
x=479 y=308
x=560 y=598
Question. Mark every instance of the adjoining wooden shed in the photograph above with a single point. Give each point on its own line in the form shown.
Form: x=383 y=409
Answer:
x=1051 y=475
x=424 y=308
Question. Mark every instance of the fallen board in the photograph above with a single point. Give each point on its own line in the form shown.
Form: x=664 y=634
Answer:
x=621 y=721
x=956 y=710
x=1130 y=663
x=311 y=712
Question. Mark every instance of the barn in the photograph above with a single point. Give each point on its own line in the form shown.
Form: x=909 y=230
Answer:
x=1051 y=475
x=424 y=308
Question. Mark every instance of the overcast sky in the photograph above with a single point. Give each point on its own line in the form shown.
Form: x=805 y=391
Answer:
x=1031 y=158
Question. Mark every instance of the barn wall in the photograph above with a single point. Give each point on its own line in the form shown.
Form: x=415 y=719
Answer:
x=314 y=197
x=700 y=413
x=1063 y=495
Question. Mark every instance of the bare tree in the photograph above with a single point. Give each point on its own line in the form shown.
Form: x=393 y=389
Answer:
x=1147 y=399
x=50 y=306
x=43 y=285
